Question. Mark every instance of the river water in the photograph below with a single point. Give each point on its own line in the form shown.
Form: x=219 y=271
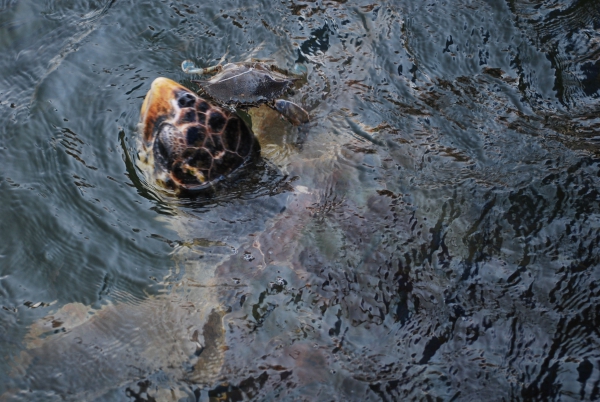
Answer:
x=432 y=234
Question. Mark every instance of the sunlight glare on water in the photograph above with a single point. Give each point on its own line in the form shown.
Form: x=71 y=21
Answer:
x=431 y=234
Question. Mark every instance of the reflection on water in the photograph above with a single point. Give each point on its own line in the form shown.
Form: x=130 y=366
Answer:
x=432 y=234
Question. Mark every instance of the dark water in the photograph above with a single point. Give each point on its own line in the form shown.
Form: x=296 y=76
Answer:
x=432 y=235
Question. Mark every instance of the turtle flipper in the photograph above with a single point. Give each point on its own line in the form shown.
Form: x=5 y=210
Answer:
x=292 y=112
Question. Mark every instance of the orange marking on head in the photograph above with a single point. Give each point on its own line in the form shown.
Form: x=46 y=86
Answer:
x=158 y=104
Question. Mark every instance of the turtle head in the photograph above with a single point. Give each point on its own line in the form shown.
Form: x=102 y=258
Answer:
x=189 y=142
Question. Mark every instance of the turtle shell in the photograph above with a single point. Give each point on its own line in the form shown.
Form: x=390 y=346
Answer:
x=246 y=84
x=191 y=142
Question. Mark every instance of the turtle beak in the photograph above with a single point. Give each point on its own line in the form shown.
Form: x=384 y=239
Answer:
x=161 y=103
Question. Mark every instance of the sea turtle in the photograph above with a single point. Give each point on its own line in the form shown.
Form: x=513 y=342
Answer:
x=188 y=142
x=249 y=84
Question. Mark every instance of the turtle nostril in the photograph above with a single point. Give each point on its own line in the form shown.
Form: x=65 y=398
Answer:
x=186 y=100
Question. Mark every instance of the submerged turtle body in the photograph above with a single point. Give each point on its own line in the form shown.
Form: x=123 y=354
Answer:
x=249 y=84
x=189 y=142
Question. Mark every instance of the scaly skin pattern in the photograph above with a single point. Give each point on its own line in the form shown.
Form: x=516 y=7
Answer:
x=190 y=142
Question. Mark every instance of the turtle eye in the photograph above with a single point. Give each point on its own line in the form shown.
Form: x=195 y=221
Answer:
x=186 y=100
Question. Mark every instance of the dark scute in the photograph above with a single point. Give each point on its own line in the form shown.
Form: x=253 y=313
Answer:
x=184 y=178
x=201 y=118
x=227 y=163
x=200 y=159
x=231 y=135
x=246 y=141
x=188 y=116
x=215 y=145
x=195 y=136
x=216 y=121
x=186 y=99
x=188 y=153
x=202 y=106
x=209 y=144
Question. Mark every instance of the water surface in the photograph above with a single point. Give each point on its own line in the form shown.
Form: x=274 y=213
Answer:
x=432 y=234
